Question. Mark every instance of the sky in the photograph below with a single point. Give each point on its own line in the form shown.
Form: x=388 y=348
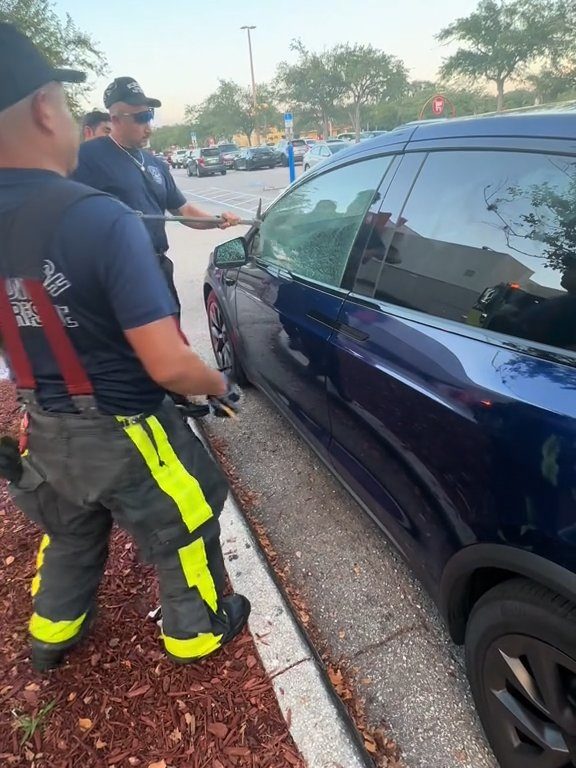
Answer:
x=178 y=50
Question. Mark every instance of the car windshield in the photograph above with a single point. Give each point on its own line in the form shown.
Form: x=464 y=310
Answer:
x=211 y=152
x=227 y=147
x=336 y=147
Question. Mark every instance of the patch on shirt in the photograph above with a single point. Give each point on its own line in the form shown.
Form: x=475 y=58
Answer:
x=156 y=174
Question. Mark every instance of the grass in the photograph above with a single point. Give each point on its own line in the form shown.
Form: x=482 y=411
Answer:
x=29 y=724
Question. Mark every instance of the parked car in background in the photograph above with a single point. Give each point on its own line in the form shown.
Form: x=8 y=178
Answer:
x=410 y=306
x=364 y=135
x=311 y=142
x=206 y=162
x=255 y=157
x=321 y=151
x=168 y=158
x=229 y=153
x=179 y=158
x=300 y=149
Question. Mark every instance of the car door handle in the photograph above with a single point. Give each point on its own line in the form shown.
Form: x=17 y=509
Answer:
x=336 y=325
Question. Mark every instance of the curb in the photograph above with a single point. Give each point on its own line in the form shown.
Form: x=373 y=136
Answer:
x=317 y=722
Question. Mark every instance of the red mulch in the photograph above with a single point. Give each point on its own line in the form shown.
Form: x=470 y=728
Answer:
x=118 y=701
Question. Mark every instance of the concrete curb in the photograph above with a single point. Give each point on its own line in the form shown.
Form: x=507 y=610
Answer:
x=316 y=721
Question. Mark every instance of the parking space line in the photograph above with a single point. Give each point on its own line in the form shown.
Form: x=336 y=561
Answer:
x=211 y=200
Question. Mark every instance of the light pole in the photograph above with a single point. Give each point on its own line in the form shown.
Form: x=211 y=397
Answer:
x=254 y=95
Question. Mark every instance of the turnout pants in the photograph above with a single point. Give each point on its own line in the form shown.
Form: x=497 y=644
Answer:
x=154 y=477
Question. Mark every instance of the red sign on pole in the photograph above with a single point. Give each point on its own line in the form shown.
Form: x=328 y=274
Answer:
x=438 y=104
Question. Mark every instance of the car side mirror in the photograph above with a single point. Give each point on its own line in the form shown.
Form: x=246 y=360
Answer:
x=232 y=254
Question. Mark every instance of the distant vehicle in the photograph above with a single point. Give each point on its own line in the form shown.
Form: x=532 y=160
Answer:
x=300 y=149
x=364 y=135
x=229 y=152
x=311 y=142
x=179 y=158
x=255 y=157
x=206 y=162
x=321 y=151
x=168 y=158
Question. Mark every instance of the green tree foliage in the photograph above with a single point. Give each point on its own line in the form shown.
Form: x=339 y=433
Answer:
x=311 y=85
x=63 y=44
x=502 y=38
x=230 y=110
x=170 y=136
x=367 y=76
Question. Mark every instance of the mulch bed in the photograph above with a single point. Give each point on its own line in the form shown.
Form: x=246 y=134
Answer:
x=118 y=702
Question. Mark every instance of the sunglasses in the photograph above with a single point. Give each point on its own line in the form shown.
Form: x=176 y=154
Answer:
x=141 y=118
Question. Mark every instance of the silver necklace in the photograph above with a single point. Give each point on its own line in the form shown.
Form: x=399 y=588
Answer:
x=140 y=163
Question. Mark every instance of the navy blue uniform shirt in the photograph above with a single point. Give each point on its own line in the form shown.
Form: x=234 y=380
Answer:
x=108 y=280
x=102 y=164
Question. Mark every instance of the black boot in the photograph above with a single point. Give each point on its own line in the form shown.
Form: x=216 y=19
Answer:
x=46 y=656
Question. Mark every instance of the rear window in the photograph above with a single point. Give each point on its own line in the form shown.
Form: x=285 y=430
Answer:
x=211 y=152
x=336 y=147
x=299 y=143
x=227 y=147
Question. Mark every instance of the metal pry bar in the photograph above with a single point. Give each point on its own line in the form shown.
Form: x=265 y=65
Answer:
x=215 y=220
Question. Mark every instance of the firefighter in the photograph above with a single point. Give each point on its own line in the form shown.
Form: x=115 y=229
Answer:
x=88 y=325
x=120 y=165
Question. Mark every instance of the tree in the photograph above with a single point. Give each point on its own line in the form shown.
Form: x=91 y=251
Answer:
x=554 y=83
x=501 y=39
x=230 y=109
x=367 y=75
x=311 y=84
x=170 y=136
x=63 y=44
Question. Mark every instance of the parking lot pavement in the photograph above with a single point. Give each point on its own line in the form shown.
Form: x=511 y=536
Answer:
x=238 y=191
x=369 y=609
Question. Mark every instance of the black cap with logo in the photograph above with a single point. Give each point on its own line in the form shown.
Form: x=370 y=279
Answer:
x=23 y=69
x=127 y=90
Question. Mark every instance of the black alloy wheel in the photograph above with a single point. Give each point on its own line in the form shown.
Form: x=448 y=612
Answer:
x=221 y=342
x=521 y=660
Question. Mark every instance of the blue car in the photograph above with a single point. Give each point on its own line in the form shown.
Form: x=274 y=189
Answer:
x=410 y=306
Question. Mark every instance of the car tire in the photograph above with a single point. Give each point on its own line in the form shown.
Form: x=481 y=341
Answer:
x=221 y=340
x=521 y=663
x=188 y=171
x=222 y=173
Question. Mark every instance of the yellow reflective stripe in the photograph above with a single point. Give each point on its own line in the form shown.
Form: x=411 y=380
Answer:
x=170 y=474
x=195 y=566
x=193 y=648
x=48 y=631
x=35 y=586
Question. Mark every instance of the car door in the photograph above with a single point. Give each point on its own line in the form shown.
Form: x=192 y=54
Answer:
x=431 y=401
x=289 y=296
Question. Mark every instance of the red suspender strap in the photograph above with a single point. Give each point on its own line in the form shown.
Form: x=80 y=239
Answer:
x=71 y=368
x=12 y=340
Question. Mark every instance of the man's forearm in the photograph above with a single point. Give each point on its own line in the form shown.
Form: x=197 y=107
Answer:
x=196 y=213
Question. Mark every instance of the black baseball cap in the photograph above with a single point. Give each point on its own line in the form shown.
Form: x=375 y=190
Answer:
x=23 y=69
x=126 y=89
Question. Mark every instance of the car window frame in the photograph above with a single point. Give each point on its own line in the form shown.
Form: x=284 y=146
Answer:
x=315 y=173
x=528 y=145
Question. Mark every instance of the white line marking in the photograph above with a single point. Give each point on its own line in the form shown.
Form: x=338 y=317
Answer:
x=211 y=200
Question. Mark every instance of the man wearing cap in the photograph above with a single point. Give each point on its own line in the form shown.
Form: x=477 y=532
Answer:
x=119 y=165
x=88 y=325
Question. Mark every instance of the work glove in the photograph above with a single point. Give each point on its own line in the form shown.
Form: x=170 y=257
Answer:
x=10 y=460
x=226 y=406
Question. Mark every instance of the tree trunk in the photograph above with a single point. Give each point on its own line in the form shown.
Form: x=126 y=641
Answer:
x=357 y=120
x=325 y=126
x=500 y=98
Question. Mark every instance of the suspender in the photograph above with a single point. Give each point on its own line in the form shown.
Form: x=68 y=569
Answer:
x=26 y=236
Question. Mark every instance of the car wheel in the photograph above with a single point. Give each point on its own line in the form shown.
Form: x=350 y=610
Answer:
x=222 y=342
x=521 y=662
x=188 y=171
x=222 y=173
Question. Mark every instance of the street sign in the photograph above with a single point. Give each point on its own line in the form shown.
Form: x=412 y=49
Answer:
x=438 y=104
x=193 y=138
x=288 y=119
